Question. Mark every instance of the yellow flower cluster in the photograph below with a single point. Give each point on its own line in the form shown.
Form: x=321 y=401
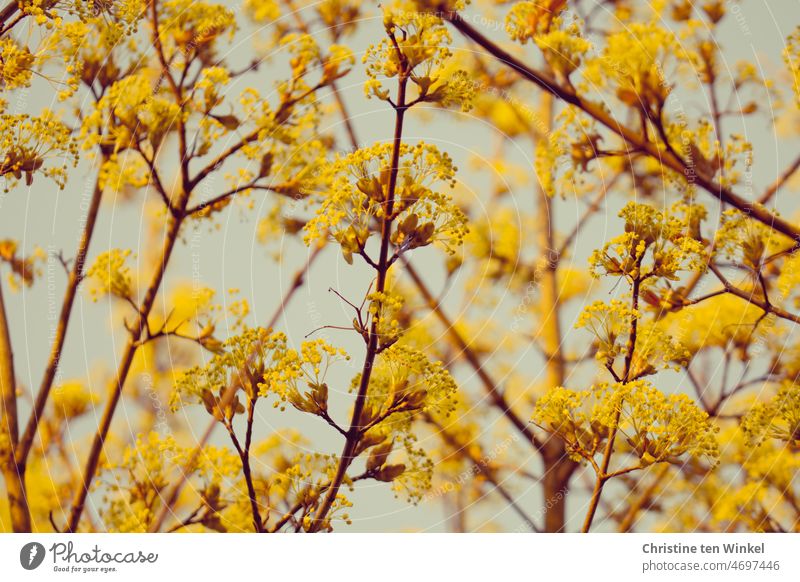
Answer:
x=244 y=362
x=758 y=492
x=560 y=41
x=72 y=399
x=123 y=173
x=133 y=487
x=497 y=240
x=741 y=239
x=210 y=87
x=295 y=475
x=16 y=64
x=262 y=11
x=611 y=324
x=191 y=28
x=26 y=143
x=90 y=46
x=306 y=53
x=110 y=275
x=259 y=362
x=633 y=64
x=403 y=384
x=309 y=366
x=406 y=381
x=656 y=244
x=417 y=49
x=563 y=49
x=778 y=419
x=130 y=112
x=384 y=309
x=358 y=184
x=339 y=16
x=530 y=19
x=720 y=322
x=653 y=426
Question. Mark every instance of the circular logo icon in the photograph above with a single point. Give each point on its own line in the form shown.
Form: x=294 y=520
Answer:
x=31 y=555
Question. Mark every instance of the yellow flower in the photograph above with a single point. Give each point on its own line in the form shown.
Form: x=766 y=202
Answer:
x=72 y=399
x=655 y=245
x=417 y=49
x=110 y=275
x=529 y=19
x=16 y=64
x=356 y=192
x=652 y=426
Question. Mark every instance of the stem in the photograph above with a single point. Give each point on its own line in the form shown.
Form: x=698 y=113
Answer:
x=629 y=520
x=297 y=282
x=558 y=468
x=137 y=329
x=74 y=279
x=355 y=431
x=244 y=455
x=177 y=214
x=177 y=92
x=780 y=181
x=602 y=474
x=13 y=470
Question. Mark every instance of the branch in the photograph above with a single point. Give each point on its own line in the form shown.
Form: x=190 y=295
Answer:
x=603 y=474
x=483 y=468
x=13 y=470
x=244 y=455
x=782 y=179
x=630 y=518
x=225 y=195
x=632 y=137
x=751 y=298
x=177 y=92
x=355 y=431
x=74 y=279
x=497 y=397
x=137 y=331
x=226 y=398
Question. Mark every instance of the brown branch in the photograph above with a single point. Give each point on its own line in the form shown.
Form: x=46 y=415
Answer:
x=466 y=451
x=13 y=469
x=74 y=279
x=603 y=475
x=356 y=430
x=631 y=136
x=249 y=138
x=9 y=10
x=777 y=184
x=244 y=455
x=177 y=92
x=199 y=208
x=136 y=332
x=752 y=298
x=633 y=511
x=497 y=398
